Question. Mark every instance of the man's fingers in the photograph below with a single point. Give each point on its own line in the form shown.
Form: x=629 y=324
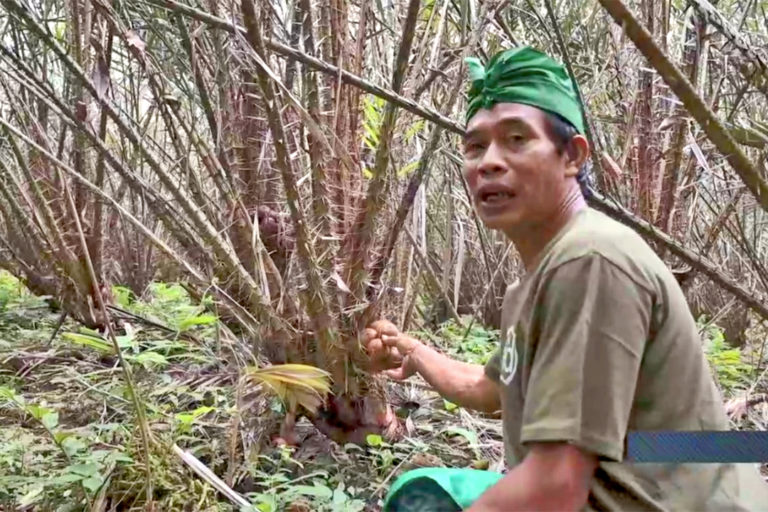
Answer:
x=395 y=374
x=400 y=343
x=385 y=327
x=375 y=346
x=390 y=341
x=369 y=334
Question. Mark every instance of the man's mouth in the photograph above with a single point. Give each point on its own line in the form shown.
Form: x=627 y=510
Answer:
x=495 y=197
x=494 y=194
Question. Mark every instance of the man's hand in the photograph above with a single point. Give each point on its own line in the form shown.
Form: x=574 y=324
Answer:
x=381 y=357
x=405 y=347
x=399 y=356
x=390 y=350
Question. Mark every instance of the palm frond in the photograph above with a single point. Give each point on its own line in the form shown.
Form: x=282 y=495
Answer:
x=294 y=384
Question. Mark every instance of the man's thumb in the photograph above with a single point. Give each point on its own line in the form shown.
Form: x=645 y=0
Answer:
x=389 y=340
x=395 y=374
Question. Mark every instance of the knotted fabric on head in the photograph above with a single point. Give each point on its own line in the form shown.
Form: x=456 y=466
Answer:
x=527 y=76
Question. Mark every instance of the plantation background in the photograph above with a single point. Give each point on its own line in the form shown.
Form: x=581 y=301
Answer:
x=193 y=194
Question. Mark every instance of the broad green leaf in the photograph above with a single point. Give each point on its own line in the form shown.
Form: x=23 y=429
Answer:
x=339 y=496
x=92 y=483
x=125 y=341
x=122 y=296
x=38 y=411
x=67 y=478
x=466 y=434
x=148 y=358
x=7 y=393
x=266 y=504
x=60 y=436
x=72 y=445
x=374 y=440
x=87 y=340
x=50 y=420
x=317 y=490
x=449 y=406
x=204 y=409
x=32 y=496
x=120 y=457
x=88 y=469
x=189 y=417
x=193 y=321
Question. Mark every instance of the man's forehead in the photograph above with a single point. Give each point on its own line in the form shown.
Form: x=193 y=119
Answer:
x=506 y=113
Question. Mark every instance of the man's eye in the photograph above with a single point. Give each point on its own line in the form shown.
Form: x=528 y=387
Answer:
x=516 y=138
x=473 y=147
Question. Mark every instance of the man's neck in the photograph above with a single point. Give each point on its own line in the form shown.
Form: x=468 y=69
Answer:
x=531 y=240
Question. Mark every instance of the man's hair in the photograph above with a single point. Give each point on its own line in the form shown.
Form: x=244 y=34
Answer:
x=562 y=132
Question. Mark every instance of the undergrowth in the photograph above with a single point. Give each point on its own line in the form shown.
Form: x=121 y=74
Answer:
x=469 y=341
x=69 y=439
x=727 y=363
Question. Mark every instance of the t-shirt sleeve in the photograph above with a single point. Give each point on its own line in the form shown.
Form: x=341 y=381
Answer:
x=493 y=366
x=591 y=328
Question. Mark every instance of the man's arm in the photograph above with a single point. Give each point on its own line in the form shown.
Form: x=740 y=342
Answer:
x=400 y=356
x=462 y=383
x=553 y=476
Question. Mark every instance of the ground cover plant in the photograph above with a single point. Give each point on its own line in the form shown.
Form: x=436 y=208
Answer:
x=68 y=441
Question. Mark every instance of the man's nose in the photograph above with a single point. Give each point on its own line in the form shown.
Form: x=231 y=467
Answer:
x=492 y=162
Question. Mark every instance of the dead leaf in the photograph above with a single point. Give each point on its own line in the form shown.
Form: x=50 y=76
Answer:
x=426 y=460
x=171 y=101
x=610 y=166
x=135 y=42
x=667 y=123
x=81 y=111
x=340 y=283
x=736 y=408
x=101 y=78
x=410 y=427
x=300 y=505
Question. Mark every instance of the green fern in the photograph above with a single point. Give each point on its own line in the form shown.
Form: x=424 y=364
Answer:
x=725 y=361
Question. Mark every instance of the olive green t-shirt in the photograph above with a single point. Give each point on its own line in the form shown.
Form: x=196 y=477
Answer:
x=597 y=341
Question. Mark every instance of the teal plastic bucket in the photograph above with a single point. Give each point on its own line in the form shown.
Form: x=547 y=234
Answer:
x=438 y=489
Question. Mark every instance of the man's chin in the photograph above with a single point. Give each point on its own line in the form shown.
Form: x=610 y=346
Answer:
x=501 y=222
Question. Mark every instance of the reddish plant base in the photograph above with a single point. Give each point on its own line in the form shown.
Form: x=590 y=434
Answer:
x=347 y=419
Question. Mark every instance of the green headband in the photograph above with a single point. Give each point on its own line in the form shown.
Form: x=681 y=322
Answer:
x=523 y=75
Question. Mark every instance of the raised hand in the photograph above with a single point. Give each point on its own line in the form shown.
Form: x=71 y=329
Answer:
x=381 y=357
x=390 y=350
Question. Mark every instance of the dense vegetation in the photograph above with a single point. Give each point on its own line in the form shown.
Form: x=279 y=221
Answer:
x=67 y=434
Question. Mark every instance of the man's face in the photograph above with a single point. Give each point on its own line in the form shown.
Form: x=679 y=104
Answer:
x=516 y=176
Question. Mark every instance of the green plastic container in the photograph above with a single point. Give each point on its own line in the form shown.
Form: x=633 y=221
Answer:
x=438 y=489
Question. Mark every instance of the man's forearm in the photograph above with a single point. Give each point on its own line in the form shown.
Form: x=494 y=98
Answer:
x=553 y=476
x=462 y=383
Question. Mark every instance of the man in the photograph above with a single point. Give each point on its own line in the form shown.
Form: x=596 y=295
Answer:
x=597 y=338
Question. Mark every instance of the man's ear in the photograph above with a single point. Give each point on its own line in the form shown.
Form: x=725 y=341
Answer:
x=577 y=154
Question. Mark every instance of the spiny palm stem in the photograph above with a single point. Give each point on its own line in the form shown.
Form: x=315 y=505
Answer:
x=315 y=296
x=221 y=248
